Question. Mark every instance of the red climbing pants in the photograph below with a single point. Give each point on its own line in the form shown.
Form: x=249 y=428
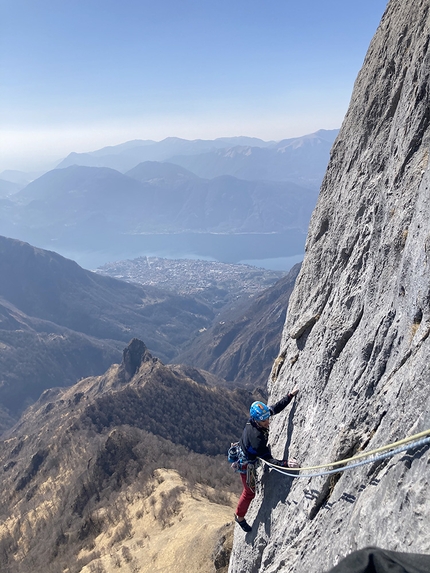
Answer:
x=245 y=499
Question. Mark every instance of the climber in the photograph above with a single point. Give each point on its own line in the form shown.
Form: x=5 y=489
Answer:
x=254 y=445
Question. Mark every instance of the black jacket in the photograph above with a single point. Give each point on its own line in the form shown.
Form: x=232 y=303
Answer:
x=254 y=438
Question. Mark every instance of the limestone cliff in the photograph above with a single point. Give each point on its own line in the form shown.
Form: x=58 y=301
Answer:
x=356 y=338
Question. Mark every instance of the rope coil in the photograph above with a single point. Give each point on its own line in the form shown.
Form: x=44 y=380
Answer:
x=417 y=440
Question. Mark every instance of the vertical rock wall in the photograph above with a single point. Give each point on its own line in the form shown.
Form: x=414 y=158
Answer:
x=356 y=338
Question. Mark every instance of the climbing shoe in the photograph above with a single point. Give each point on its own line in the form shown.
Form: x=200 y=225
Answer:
x=243 y=524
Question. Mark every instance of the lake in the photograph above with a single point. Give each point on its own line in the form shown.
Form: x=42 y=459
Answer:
x=275 y=251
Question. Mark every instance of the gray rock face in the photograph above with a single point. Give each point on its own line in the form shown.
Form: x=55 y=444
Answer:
x=356 y=338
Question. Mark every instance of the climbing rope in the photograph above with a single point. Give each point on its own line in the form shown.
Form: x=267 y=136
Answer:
x=417 y=440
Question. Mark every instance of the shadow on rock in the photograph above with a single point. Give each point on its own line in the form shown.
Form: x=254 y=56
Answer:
x=289 y=430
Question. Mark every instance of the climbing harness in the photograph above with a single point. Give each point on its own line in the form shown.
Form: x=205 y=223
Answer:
x=417 y=440
x=241 y=464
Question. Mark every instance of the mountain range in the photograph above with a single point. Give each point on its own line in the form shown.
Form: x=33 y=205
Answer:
x=175 y=200
x=156 y=207
x=100 y=472
x=301 y=159
x=230 y=199
x=9 y=188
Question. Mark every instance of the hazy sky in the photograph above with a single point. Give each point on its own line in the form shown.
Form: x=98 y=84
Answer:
x=80 y=74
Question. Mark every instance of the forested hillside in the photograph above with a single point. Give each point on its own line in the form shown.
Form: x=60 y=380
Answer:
x=80 y=472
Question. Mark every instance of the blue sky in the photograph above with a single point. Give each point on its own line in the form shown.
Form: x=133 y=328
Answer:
x=80 y=74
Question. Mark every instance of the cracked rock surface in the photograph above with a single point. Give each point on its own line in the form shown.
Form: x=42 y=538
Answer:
x=356 y=339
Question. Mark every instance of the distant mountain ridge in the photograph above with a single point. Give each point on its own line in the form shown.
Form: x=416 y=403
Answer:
x=241 y=157
x=159 y=198
x=82 y=209
x=302 y=160
x=157 y=173
x=176 y=201
x=9 y=188
x=125 y=156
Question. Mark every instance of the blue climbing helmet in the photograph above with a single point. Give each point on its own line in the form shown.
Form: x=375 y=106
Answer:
x=259 y=411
